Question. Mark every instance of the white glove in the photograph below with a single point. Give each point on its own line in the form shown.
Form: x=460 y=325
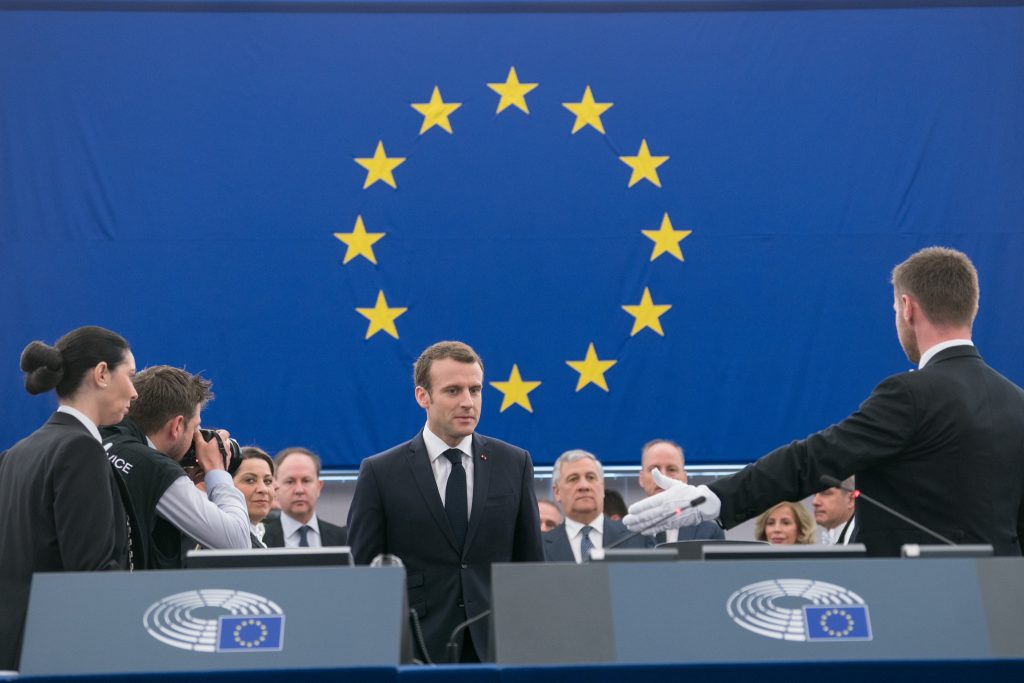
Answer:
x=677 y=497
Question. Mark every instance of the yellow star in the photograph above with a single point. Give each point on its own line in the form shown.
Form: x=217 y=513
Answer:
x=647 y=314
x=516 y=391
x=380 y=166
x=591 y=369
x=666 y=239
x=587 y=111
x=644 y=165
x=512 y=92
x=360 y=242
x=435 y=112
x=381 y=317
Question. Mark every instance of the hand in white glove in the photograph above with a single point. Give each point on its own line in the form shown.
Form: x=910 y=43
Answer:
x=677 y=497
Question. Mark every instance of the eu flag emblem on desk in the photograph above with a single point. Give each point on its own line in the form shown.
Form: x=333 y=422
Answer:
x=250 y=633
x=837 y=622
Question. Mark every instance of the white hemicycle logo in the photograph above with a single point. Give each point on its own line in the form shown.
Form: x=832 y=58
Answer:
x=189 y=620
x=775 y=608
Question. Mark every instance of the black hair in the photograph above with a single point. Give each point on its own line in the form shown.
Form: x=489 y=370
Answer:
x=64 y=365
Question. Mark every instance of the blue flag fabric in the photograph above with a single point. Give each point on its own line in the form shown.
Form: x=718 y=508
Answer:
x=250 y=633
x=674 y=223
x=837 y=622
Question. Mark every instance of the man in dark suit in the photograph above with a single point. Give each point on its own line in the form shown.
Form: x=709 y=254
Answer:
x=941 y=444
x=298 y=487
x=448 y=503
x=834 y=511
x=577 y=482
x=667 y=457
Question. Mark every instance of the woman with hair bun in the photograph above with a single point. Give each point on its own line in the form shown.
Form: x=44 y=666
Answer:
x=61 y=506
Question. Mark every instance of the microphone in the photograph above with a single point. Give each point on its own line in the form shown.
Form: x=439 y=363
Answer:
x=699 y=500
x=452 y=647
x=857 y=493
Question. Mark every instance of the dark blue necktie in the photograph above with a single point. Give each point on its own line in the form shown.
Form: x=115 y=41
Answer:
x=303 y=540
x=586 y=545
x=455 y=502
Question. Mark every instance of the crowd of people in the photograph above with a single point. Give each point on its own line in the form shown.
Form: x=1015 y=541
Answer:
x=123 y=477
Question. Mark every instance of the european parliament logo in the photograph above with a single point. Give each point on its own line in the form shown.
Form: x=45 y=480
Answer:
x=800 y=610
x=216 y=620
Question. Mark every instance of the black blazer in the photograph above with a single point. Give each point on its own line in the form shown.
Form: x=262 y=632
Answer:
x=330 y=534
x=396 y=509
x=944 y=445
x=557 y=548
x=60 y=510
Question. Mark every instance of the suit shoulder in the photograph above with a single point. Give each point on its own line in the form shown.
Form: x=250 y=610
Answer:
x=489 y=443
x=327 y=525
x=392 y=453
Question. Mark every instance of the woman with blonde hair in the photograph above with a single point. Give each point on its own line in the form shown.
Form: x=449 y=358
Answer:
x=785 y=524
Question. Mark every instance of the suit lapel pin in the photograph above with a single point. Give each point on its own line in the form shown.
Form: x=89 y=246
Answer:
x=483 y=456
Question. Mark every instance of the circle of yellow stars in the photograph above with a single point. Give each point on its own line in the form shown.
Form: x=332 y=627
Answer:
x=240 y=626
x=512 y=92
x=840 y=632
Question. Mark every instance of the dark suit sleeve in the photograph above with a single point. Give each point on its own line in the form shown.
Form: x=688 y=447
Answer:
x=527 y=546
x=881 y=428
x=83 y=506
x=366 y=527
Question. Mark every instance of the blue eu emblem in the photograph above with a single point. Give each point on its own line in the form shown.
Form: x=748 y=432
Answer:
x=251 y=633
x=837 y=622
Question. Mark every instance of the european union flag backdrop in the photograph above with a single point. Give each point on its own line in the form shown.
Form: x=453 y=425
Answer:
x=651 y=220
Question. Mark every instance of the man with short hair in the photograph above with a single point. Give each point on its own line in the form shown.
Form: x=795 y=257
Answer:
x=448 y=503
x=550 y=515
x=577 y=482
x=297 y=485
x=940 y=444
x=834 y=513
x=666 y=456
x=146 y=449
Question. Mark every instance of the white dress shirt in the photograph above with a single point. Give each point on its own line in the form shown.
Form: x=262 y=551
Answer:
x=831 y=536
x=941 y=346
x=290 y=528
x=442 y=467
x=575 y=532
x=257 y=531
x=80 y=416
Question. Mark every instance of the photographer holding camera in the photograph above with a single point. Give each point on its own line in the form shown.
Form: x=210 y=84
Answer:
x=147 y=449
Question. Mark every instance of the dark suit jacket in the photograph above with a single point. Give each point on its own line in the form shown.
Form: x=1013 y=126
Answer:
x=396 y=509
x=60 y=510
x=330 y=534
x=846 y=531
x=703 y=531
x=944 y=445
x=557 y=548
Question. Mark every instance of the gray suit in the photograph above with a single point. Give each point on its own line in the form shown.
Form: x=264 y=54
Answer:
x=557 y=548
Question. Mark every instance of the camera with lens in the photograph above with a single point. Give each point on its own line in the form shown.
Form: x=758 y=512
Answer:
x=230 y=447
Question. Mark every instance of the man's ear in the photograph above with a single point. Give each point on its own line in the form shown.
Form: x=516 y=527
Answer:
x=175 y=426
x=422 y=397
x=908 y=309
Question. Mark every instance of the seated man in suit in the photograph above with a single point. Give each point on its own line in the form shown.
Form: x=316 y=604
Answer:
x=667 y=457
x=577 y=481
x=834 y=512
x=298 y=486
